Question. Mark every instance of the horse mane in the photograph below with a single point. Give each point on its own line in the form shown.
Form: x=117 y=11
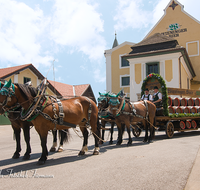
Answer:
x=27 y=92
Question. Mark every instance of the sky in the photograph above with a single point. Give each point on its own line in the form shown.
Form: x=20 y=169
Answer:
x=66 y=39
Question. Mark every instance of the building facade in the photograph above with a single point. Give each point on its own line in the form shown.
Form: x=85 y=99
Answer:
x=171 y=49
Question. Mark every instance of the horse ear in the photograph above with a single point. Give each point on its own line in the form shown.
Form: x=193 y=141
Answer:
x=8 y=84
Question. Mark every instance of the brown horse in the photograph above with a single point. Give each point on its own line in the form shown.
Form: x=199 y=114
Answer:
x=77 y=111
x=17 y=124
x=102 y=108
x=131 y=114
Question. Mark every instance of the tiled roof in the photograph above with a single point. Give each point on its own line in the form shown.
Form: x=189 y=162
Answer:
x=6 y=72
x=80 y=89
x=68 y=91
x=155 y=39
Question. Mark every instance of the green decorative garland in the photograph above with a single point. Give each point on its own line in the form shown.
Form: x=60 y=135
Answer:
x=163 y=90
x=184 y=115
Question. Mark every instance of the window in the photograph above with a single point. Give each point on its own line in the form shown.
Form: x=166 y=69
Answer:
x=125 y=81
x=26 y=80
x=152 y=68
x=124 y=62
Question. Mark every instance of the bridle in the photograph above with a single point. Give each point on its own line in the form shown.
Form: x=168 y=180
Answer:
x=8 y=91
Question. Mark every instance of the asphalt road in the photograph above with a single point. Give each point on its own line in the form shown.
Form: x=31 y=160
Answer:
x=164 y=164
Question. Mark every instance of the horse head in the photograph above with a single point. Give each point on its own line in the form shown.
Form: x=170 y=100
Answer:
x=7 y=95
x=116 y=103
x=102 y=101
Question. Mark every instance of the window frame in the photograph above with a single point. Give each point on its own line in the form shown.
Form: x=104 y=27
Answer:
x=122 y=76
x=152 y=63
x=120 y=62
x=26 y=78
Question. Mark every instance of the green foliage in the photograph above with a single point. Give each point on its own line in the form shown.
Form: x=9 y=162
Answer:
x=163 y=90
x=184 y=115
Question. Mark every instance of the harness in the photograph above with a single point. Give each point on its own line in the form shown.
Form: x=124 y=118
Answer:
x=38 y=105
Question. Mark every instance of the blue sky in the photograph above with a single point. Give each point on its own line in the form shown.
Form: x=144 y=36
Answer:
x=73 y=34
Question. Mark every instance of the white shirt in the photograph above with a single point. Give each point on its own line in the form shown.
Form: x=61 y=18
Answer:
x=145 y=97
x=159 y=95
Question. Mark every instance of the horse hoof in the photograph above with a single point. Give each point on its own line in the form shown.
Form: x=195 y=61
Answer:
x=129 y=143
x=144 y=140
x=100 y=142
x=53 y=149
x=150 y=141
x=40 y=162
x=15 y=156
x=60 y=149
x=110 y=142
x=26 y=157
x=81 y=153
x=96 y=152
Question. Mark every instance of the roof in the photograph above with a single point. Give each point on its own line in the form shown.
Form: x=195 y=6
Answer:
x=115 y=43
x=155 y=39
x=7 y=72
x=67 y=90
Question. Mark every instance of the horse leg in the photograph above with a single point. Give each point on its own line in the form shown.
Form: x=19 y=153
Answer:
x=17 y=132
x=96 y=133
x=120 y=133
x=53 y=148
x=152 y=130
x=127 y=123
x=44 y=155
x=111 y=133
x=103 y=132
x=26 y=129
x=85 y=140
x=146 y=132
x=62 y=136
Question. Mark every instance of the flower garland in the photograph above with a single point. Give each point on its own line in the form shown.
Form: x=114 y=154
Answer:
x=163 y=90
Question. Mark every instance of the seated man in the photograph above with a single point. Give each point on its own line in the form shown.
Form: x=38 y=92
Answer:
x=157 y=97
x=147 y=96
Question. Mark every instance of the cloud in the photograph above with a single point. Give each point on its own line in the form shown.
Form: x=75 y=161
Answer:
x=131 y=14
x=78 y=25
x=21 y=28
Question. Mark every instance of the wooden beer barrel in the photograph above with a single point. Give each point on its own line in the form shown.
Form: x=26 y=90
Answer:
x=194 y=124
x=176 y=102
x=179 y=110
x=169 y=101
x=188 y=124
x=190 y=102
x=194 y=109
x=171 y=109
x=197 y=102
x=183 y=102
x=187 y=109
x=182 y=125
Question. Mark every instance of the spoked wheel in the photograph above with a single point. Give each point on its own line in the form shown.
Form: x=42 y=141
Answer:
x=137 y=131
x=169 y=129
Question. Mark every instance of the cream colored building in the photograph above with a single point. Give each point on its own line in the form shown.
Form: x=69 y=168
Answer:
x=171 y=49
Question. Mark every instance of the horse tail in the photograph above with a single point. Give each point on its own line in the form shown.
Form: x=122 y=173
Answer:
x=64 y=135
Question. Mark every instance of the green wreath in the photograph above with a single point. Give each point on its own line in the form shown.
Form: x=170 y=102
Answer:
x=163 y=90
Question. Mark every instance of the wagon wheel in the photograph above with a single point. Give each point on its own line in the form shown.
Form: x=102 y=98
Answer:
x=169 y=129
x=137 y=131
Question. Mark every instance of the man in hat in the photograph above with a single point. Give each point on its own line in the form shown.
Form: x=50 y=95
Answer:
x=147 y=96
x=157 y=97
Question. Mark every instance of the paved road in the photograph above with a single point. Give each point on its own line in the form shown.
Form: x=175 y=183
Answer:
x=164 y=164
